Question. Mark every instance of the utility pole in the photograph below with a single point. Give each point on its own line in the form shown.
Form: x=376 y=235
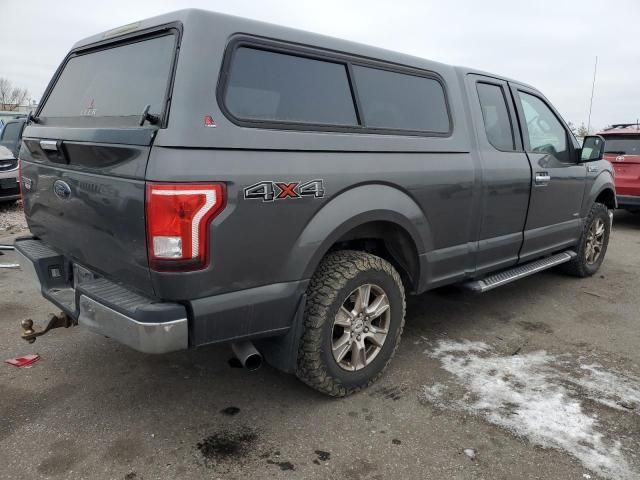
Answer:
x=593 y=87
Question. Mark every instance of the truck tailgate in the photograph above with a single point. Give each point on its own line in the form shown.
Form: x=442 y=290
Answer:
x=92 y=214
x=85 y=155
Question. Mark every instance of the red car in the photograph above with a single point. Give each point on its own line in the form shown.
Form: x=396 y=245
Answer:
x=622 y=149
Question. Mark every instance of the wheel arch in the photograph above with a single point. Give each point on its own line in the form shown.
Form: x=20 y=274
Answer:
x=379 y=218
x=607 y=197
x=387 y=240
x=603 y=191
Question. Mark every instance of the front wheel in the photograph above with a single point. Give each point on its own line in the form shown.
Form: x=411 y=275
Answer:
x=353 y=320
x=593 y=243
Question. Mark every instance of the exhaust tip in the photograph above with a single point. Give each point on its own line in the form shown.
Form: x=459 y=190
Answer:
x=253 y=362
x=246 y=353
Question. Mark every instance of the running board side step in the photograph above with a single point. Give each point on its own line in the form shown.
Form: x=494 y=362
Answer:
x=516 y=273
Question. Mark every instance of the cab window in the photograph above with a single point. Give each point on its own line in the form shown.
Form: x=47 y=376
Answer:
x=545 y=132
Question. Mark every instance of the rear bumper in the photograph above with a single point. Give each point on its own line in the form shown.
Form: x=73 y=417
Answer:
x=628 y=201
x=104 y=307
x=148 y=337
x=152 y=326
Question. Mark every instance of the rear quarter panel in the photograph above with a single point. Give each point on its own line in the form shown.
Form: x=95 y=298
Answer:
x=256 y=243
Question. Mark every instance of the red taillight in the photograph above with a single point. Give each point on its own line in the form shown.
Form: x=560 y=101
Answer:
x=20 y=181
x=178 y=218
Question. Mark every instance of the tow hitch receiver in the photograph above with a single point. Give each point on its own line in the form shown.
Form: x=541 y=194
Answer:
x=55 y=321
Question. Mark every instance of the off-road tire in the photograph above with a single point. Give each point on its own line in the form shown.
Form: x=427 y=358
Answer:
x=337 y=276
x=579 y=267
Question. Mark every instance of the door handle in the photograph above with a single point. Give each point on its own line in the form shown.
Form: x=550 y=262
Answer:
x=542 y=178
x=50 y=145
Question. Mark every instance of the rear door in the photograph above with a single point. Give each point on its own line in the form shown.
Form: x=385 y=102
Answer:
x=506 y=174
x=84 y=160
x=558 y=183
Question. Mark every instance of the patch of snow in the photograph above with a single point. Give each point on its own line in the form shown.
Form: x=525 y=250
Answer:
x=526 y=394
x=611 y=388
x=450 y=346
x=433 y=393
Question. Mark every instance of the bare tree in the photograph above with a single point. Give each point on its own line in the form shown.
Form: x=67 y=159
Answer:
x=582 y=130
x=11 y=97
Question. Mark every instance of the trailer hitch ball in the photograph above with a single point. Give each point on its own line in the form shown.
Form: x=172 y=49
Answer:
x=28 y=331
x=55 y=321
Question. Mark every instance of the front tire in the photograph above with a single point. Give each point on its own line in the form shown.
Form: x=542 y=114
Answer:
x=354 y=317
x=593 y=243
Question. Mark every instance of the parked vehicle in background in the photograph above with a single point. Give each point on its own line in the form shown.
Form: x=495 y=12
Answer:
x=622 y=149
x=10 y=137
x=6 y=116
x=282 y=191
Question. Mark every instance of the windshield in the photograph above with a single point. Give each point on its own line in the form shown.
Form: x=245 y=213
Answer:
x=622 y=145
x=112 y=87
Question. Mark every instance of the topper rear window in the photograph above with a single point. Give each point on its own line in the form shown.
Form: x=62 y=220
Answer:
x=112 y=86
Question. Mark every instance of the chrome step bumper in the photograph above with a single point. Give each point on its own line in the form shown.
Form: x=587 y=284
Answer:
x=104 y=307
x=521 y=271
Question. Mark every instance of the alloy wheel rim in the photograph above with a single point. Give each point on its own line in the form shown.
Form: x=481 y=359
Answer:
x=360 y=327
x=595 y=241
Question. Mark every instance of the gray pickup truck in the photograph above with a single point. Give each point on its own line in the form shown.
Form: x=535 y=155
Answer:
x=197 y=178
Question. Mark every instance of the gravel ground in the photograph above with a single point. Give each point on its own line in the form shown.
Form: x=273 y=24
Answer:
x=539 y=379
x=12 y=218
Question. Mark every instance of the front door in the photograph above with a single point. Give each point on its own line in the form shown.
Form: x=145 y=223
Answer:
x=558 y=180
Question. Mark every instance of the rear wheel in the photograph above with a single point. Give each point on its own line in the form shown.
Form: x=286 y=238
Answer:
x=593 y=243
x=353 y=320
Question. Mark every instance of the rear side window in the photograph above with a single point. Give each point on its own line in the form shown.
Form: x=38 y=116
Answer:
x=397 y=101
x=497 y=121
x=112 y=86
x=270 y=86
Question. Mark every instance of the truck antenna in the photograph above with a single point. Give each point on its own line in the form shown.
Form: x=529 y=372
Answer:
x=593 y=87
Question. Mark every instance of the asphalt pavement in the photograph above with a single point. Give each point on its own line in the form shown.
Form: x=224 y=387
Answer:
x=539 y=379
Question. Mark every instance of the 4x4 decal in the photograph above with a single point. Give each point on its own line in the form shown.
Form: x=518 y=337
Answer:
x=270 y=191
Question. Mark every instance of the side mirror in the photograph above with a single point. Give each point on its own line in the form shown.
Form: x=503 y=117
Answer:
x=592 y=149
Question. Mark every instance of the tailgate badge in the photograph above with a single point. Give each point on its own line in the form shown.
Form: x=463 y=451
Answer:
x=620 y=158
x=62 y=189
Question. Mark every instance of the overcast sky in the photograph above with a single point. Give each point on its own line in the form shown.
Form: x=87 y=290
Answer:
x=549 y=44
